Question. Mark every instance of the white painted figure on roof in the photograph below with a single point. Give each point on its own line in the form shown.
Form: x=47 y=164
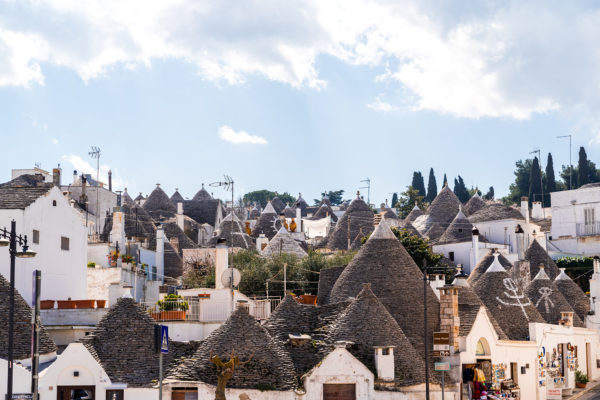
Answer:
x=515 y=294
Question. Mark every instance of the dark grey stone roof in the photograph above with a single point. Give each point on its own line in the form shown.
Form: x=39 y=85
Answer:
x=158 y=204
x=590 y=185
x=173 y=230
x=268 y=363
x=21 y=197
x=442 y=210
x=573 y=294
x=395 y=279
x=139 y=197
x=536 y=255
x=323 y=211
x=268 y=223
x=283 y=242
x=360 y=217
x=484 y=263
x=123 y=343
x=367 y=323
x=327 y=278
x=255 y=213
x=468 y=307
x=474 y=204
x=202 y=195
x=410 y=229
x=233 y=230
x=137 y=223
x=300 y=202
x=389 y=214
x=413 y=214
x=173 y=262
x=202 y=211
x=22 y=327
x=176 y=198
x=495 y=212
x=460 y=230
x=27 y=180
x=278 y=205
x=548 y=300
x=126 y=198
x=507 y=303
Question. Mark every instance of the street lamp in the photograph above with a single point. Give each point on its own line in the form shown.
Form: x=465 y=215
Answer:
x=11 y=239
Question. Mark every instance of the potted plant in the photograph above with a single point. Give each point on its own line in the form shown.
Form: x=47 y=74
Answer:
x=112 y=258
x=581 y=379
x=100 y=303
x=172 y=307
x=46 y=304
x=91 y=264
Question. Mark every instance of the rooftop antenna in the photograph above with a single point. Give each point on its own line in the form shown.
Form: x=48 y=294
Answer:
x=541 y=178
x=368 y=187
x=95 y=153
x=227 y=183
x=570 y=163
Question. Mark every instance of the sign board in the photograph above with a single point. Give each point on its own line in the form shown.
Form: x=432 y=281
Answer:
x=164 y=339
x=442 y=366
x=552 y=393
x=440 y=353
x=22 y=396
x=441 y=338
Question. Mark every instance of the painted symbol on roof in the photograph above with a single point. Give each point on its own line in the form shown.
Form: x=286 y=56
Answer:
x=545 y=292
x=514 y=294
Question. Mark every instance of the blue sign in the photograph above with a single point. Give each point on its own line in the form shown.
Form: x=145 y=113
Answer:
x=164 y=339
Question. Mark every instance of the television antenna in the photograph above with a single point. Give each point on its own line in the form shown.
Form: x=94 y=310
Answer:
x=95 y=153
x=368 y=187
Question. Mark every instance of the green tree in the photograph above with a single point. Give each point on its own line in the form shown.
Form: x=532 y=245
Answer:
x=431 y=187
x=460 y=190
x=520 y=187
x=335 y=197
x=550 y=180
x=407 y=201
x=583 y=168
x=418 y=183
x=394 y=199
x=490 y=194
x=535 y=182
x=263 y=196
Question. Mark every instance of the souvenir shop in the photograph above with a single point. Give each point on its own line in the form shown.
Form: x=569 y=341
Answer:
x=556 y=368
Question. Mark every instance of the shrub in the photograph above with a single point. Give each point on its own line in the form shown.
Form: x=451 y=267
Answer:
x=173 y=302
x=580 y=377
x=91 y=264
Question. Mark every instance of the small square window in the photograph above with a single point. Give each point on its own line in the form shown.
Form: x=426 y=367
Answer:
x=64 y=243
x=35 y=238
x=459 y=230
x=451 y=256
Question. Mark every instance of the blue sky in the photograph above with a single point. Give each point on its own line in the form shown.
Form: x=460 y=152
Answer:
x=327 y=93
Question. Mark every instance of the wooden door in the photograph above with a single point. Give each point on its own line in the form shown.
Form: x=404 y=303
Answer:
x=75 y=393
x=345 y=391
x=588 y=360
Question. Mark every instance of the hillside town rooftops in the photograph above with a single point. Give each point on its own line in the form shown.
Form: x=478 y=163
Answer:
x=158 y=204
x=495 y=212
x=358 y=217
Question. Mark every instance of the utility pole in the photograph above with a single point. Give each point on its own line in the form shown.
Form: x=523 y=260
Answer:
x=35 y=356
x=368 y=187
x=95 y=153
x=570 y=163
x=426 y=333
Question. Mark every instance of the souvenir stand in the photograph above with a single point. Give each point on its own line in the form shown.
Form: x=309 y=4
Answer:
x=556 y=370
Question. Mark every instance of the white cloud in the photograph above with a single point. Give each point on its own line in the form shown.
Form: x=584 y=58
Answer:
x=54 y=141
x=489 y=59
x=379 y=105
x=241 y=137
x=83 y=166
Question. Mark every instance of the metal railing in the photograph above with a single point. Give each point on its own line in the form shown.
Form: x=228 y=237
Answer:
x=592 y=229
x=204 y=310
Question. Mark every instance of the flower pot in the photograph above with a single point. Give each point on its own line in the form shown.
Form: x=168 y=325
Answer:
x=100 y=303
x=168 y=315
x=580 y=385
x=308 y=299
x=204 y=295
x=66 y=304
x=84 y=303
x=46 y=304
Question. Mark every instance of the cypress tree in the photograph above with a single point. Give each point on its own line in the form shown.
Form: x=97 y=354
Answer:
x=535 y=183
x=460 y=190
x=583 y=168
x=394 y=200
x=550 y=180
x=445 y=181
x=418 y=183
x=431 y=187
x=490 y=194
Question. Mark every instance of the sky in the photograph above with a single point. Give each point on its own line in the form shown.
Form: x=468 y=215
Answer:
x=297 y=96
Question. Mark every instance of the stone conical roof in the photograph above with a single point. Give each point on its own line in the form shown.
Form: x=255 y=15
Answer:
x=359 y=217
x=289 y=212
x=176 y=197
x=283 y=243
x=548 y=299
x=158 y=204
x=459 y=231
x=278 y=205
x=573 y=294
x=202 y=195
x=507 y=303
x=268 y=223
x=290 y=317
x=268 y=363
x=139 y=197
x=395 y=279
x=536 y=255
x=22 y=326
x=474 y=204
x=126 y=198
x=443 y=208
x=323 y=211
x=367 y=323
x=413 y=214
x=483 y=265
x=254 y=213
x=231 y=228
x=300 y=202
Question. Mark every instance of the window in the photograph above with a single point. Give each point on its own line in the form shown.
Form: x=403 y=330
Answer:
x=114 y=394
x=184 y=394
x=36 y=236
x=54 y=203
x=451 y=256
x=64 y=243
x=589 y=217
x=340 y=391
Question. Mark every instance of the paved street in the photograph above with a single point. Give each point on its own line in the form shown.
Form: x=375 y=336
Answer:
x=594 y=394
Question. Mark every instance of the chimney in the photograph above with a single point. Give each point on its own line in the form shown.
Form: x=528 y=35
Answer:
x=221 y=262
x=261 y=242
x=449 y=319
x=179 y=216
x=74 y=177
x=525 y=208
x=160 y=252
x=536 y=210
x=117 y=234
x=56 y=176
x=566 y=318
x=594 y=284
x=436 y=281
x=475 y=248
x=110 y=180
x=83 y=198
x=384 y=362
x=520 y=242
x=175 y=243
x=299 y=218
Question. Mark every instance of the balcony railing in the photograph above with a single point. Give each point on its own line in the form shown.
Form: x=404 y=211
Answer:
x=592 y=229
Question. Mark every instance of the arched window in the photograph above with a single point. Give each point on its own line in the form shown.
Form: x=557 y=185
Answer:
x=54 y=203
x=483 y=348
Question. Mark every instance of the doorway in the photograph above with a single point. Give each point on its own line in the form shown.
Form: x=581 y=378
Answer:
x=76 y=393
x=588 y=360
x=344 y=391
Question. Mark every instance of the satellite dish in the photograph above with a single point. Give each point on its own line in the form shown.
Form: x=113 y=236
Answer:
x=226 y=277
